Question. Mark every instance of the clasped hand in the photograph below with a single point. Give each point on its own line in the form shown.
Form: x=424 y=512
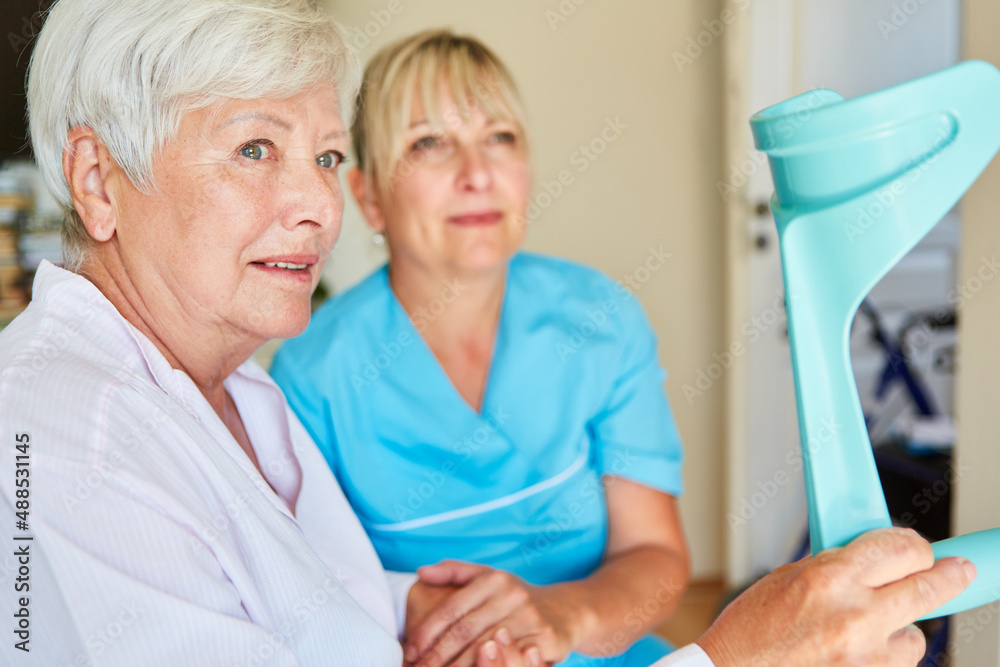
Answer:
x=458 y=613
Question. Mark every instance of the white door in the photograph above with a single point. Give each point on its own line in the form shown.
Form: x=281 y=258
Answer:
x=790 y=47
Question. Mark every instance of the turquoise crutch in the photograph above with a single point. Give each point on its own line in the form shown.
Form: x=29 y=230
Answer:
x=857 y=184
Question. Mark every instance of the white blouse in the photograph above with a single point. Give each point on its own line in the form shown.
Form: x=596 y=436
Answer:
x=166 y=544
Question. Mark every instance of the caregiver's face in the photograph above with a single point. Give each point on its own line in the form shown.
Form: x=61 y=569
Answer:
x=459 y=193
x=248 y=207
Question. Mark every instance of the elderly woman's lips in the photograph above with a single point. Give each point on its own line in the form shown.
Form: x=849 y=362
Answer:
x=289 y=261
x=291 y=266
x=474 y=219
x=285 y=265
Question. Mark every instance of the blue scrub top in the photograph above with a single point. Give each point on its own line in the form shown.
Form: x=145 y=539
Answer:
x=575 y=393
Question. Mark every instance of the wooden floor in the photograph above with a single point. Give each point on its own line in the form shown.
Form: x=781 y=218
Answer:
x=696 y=613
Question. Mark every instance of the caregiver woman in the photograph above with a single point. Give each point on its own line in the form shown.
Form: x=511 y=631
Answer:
x=485 y=404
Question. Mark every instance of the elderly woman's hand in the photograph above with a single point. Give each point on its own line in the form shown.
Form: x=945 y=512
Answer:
x=464 y=618
x=847 y=606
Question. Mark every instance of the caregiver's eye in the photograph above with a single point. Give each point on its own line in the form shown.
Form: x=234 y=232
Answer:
x=427 y=143
x=331 y=159
x=256 y=150
x=505 y=137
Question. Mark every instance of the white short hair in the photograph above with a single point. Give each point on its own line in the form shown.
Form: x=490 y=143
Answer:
x=128 y=69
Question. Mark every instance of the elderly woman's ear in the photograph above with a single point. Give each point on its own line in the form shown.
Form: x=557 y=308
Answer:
x=365 y=197
x=87 y=165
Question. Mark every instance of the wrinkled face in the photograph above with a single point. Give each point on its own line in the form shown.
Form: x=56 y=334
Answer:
x=248 y=207
x=457 y=199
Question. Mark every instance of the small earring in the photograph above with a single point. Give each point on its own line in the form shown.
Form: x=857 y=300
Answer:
x=378 y=239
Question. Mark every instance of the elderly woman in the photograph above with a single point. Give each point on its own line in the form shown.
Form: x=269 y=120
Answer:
x=194 y=146
x=488 y=405
x=185 y=515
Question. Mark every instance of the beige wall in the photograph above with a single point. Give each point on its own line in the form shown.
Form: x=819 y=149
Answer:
x=977 y=504
x=654 y=186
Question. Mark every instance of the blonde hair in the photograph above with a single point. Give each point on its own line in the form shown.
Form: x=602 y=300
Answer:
x=420 y=65
x=128 y=68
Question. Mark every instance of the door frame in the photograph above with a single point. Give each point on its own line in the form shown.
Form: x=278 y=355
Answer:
x=736 y=143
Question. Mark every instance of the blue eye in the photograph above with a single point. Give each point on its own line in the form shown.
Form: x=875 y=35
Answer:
x=331 y=159
x=255 y=151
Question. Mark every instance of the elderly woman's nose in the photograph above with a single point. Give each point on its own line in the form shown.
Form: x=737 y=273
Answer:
x=475 y=169
x=313 y=193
